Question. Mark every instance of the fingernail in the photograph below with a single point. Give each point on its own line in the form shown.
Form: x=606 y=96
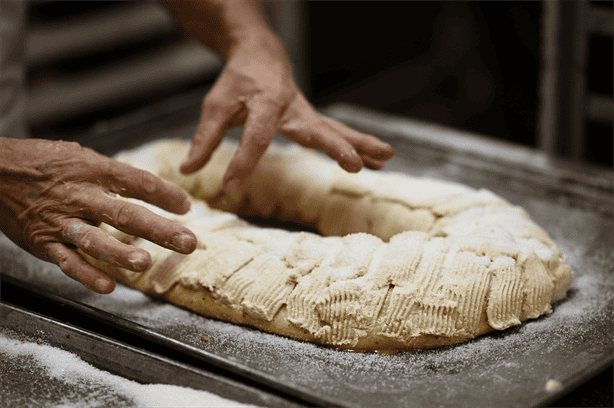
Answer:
x=138 y=261
x=102 y=286
x=187 y=162
x=184 y=168
x=186 y=206
x=184 y=243
x=352 y=168
x=232 y=185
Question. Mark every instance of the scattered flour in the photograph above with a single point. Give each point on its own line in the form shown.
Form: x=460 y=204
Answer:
x=27 y=364
x=511 y=367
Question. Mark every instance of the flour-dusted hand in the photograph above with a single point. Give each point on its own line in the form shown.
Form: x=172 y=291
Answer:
x=256 y=89
x=54 y=195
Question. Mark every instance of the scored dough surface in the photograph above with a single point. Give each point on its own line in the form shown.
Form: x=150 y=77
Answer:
x=404 y=262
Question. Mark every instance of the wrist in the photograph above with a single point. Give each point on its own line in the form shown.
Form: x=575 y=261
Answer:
x=222 y=25
x=255 y=41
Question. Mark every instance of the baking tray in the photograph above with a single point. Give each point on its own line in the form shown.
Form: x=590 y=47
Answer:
x=110 y=355
x=527 y=365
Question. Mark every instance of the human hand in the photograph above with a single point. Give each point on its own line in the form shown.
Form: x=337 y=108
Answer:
x=54 y=195
x=256 y=89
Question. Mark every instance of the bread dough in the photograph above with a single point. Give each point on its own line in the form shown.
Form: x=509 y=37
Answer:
x=403 y=262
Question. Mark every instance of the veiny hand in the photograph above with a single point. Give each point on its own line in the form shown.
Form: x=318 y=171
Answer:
x=55 y=194
x=256 y=89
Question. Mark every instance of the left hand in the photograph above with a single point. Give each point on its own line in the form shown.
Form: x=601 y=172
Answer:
x=256 y=89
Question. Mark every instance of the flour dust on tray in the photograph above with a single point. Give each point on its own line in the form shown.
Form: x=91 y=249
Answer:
x=57 y=378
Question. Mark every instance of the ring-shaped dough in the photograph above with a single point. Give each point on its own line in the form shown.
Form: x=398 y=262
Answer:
x=404 y=262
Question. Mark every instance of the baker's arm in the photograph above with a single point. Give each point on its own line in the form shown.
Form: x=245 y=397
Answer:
x=256 y=89
x=54 y=195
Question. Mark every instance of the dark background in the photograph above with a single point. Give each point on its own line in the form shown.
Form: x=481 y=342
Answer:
x=470 y=65
x=481 y=64
x=452 y=40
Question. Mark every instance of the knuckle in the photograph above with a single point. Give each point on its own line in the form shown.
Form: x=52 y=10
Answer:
x=229 y=109
x=292 y=126
x=215 y=107
x=73 y=233
x=39 y=236
x=87 y=241
x=74 y=198
x=64 y=262
x=213 y=98
x=303 y=133
x=260 y=142
x=273 y=103
x=149 y=182
x=104 y=165
x=211 y=110
x=310 y=137
x=123 y=214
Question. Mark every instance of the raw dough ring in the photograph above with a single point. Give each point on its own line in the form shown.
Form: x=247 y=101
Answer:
x=405 y=262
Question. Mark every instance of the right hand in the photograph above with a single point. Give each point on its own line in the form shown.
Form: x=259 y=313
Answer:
x=256 y=89
x=54 y=195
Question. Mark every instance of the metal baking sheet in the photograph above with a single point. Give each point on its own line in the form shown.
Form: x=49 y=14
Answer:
x=109 y=355
x=509 y=368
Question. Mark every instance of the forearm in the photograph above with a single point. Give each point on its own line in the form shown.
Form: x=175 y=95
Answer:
x=222 y=25
x=256 y=89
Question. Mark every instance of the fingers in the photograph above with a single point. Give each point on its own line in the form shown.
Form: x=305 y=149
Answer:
x=215 y=121
x=367 y=145
x=259 y=129
x=136 y=220
x=140 y=184
x=128 y=217
x=102 y=246
x=74 y=266
x=318 y=135
x=264 y=114
x=352 y=149
x=373 y=164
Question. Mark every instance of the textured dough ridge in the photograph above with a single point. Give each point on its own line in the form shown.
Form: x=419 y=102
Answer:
x=403 y=262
